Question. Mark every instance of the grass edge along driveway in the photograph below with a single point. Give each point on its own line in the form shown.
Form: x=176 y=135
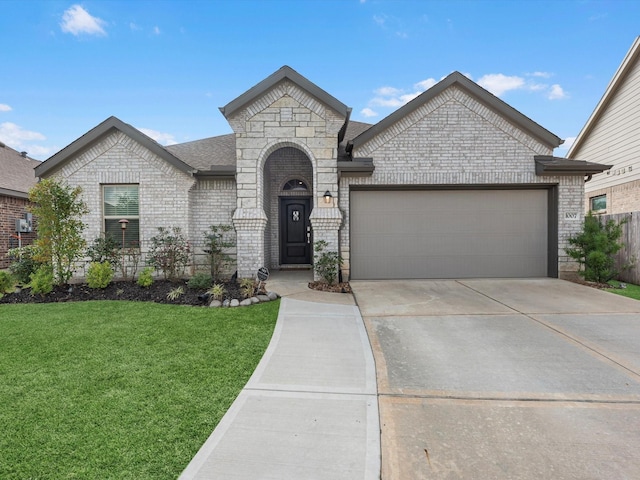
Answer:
x=119 y=389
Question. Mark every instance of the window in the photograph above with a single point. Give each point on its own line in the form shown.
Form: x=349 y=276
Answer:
x=598 y=203
x=295 y=185
x=121 y=202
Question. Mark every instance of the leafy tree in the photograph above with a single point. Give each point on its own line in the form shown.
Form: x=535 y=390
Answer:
x=169 y=252
x=59 y=209
x=326 y=264
x=595 y=247
x=217 y=242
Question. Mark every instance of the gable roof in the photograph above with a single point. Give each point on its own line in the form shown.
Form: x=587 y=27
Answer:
x=480 y=94
x=629 y=61
x=97 y=133
x=17 y=172
x=289 y=73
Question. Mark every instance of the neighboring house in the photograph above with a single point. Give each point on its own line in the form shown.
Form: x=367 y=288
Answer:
x=454 y=184
x=16 y=178
x=612 y=136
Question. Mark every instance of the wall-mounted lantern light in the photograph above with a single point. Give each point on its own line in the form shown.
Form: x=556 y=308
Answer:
x=327 y=197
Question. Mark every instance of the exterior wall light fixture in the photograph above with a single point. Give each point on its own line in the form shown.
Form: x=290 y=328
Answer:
x=327 y=197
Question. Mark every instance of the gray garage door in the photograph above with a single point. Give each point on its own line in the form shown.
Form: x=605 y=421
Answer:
x=448 y=234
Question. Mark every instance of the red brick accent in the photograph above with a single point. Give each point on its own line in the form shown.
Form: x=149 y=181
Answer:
x=11 y=209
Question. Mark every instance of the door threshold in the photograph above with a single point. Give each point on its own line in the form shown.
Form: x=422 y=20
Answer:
x=300 y=266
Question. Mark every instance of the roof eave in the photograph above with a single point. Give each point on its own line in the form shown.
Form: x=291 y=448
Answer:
x=103 y=129
x=221 y=172
x=358 y=167
x=627 y=63
x=289 y=73
x=547 y=165
x=482 y=95
x=13 y=193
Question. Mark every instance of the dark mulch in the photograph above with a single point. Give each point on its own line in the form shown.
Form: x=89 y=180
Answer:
x=157 y=292
x=342 y=287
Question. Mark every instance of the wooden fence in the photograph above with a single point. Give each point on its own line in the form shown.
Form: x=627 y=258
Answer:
x=630 y=253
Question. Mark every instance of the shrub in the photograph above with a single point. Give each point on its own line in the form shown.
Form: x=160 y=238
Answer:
x=200 y=281
x=217 y=291
x=175 y=293
x=247 y=287
x=59 y=209
x=6 y=282
x=146 y=278
x=169 y=252
x=217 y=241
x=22 y=263
x=42 y=280
x=99 y=275
x=105 y=249
x=595 y=247
x=326 y=264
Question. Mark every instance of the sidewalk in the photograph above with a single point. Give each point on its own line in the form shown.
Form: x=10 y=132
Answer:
x=310 y=409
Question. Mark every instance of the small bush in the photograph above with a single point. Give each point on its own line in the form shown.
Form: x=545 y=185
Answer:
x=22 y=263
x=99 y=275
x=169 y=252
x=217 y=291
x=146 y=278
x=326 y=264
x=42 y=280
x=6 y=282
x=200 y=281
x=105 y=249
x=247 y=287
x=176 y=293
x=217 y=242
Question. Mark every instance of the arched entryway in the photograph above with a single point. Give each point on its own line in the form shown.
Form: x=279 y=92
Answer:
x=288 y=201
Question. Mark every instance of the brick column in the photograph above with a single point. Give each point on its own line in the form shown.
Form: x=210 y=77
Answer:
x=250 y=224
x=326 y=224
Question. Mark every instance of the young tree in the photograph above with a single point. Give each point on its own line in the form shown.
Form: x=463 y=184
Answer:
x=217 y=242
x=595 y=246
x=59 y=209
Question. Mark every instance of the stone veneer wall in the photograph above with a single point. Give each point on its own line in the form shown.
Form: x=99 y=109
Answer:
x=455 y=140
x=118 y=159
x=282 y=165
x=285 y=116
x=11 y=209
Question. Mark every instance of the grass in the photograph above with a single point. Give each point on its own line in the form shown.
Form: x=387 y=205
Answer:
x=122 y=390
x=631 y=291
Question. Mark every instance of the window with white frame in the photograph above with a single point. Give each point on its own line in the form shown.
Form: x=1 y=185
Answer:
x=598 y=203
x=120 y=202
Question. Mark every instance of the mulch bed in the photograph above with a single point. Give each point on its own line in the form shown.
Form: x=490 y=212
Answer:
x=157 y=293
x=343 y=287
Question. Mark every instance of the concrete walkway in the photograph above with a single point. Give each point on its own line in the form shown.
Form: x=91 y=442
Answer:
x=310 y=409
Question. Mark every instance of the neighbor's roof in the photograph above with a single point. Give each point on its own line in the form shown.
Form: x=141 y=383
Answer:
x=616 y=82
x=17 y=172
x=272 y=80
x=479 y=93
x=105 y=128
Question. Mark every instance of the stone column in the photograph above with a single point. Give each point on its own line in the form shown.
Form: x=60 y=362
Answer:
x=250 y=224
x=326 y=222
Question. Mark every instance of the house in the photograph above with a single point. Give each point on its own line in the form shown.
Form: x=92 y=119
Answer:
x=16 y=179
x=612 y=135
x=454 y=184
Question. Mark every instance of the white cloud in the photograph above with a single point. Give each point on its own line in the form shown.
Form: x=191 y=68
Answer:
x=5 y=108
x=368 y=113
x=380 y=20
x=16 y=135
x=497 y=83
x=425 y=84
x=156 y=30
x=76 y=20
x=540 y=74
x=134 y=27
x=556 y=92
x=161 y=138
x=387 y=91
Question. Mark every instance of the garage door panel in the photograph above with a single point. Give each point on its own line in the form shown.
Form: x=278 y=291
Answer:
x=449 y=234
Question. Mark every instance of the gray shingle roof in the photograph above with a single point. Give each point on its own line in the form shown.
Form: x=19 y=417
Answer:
x=208 y=152
x=17 y=172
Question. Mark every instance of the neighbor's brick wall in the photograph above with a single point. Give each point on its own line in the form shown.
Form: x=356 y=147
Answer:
x=12 y=208
x=455 y=140
x=118 y=159
x=620 y=198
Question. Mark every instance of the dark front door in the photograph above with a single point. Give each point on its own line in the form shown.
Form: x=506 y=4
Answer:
x=295 y=230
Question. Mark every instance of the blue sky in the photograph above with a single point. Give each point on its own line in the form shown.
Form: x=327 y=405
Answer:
x=166 y=66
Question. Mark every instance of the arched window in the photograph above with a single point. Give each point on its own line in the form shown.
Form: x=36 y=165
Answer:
x=296 y=185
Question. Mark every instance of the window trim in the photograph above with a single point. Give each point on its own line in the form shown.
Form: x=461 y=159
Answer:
x=105 y=217
x=598 y=197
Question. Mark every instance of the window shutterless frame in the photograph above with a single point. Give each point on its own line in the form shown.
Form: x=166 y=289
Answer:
x=598 y=203
x=121 y=202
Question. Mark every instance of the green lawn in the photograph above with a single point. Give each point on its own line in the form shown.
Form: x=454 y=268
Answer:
x=631 y=291
x=120 y=390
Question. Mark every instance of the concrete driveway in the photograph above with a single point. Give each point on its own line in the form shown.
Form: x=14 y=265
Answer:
x=504 y=379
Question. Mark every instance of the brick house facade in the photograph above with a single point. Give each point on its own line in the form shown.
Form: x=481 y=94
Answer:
x=295 y=163
x=17 y=178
